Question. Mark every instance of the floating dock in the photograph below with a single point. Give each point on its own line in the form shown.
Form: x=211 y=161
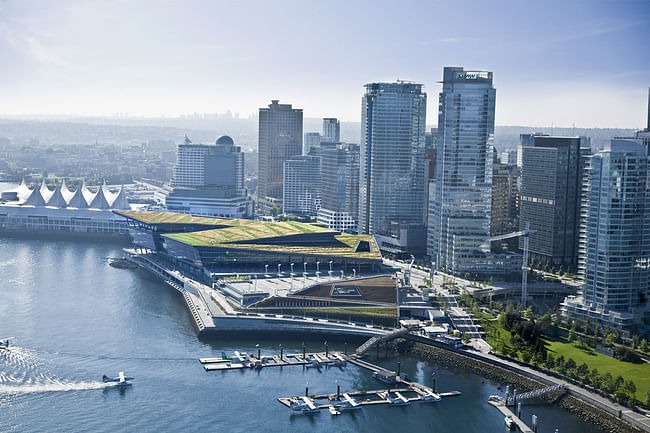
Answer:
x=247 y=360
x=500 y=405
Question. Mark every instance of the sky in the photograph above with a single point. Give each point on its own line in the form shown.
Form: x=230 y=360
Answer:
x=555 y=62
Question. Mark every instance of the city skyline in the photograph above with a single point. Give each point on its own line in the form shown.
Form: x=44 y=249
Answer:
x=584 y=66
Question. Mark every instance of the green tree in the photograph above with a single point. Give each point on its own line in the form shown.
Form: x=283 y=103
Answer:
x=594 y=378
x=607 y=383
x=528 y=314
x=630 y=388
x=526 y=356
x=610 y=339
x=635 y=341
x=582 y=371
x=644 y=345
x=466 y=338
x=570 y=367
x=550 y=361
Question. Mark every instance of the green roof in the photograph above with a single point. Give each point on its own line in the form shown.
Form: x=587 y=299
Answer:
x=156 y=217
x=255 y=230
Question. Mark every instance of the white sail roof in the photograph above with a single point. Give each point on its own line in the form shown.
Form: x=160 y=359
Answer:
x=78 y=200
x=57 y=199
x=88 y=194
x=100 y=201
x=65 y=192
x=120 y=201
x=39 y=196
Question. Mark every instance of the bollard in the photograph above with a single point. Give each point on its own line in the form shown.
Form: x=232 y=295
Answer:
x=507 y=393
x=514 y=397
x=519 y=410
x=338 y=391
x=281 y=352
x=258 y=353
x=534 y=423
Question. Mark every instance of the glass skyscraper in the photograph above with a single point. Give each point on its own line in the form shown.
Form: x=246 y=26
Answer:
x=614 y=237
x=391 y=175
x=460 y=201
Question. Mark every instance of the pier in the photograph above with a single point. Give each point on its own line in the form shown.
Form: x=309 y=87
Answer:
x=501 y=406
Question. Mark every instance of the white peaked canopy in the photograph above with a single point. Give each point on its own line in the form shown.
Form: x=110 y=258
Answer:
x=22 y=191
x=65 y=192
x=39 y=196
x=100 y=201
x=120 y=201
x=78 y=199
x=89 y=196
x=57 y=199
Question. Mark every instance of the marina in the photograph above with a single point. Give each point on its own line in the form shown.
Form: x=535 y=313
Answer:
x=403 y=393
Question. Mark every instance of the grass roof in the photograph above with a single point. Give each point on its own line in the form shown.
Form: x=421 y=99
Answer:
x=157 y=217
x=255 y=230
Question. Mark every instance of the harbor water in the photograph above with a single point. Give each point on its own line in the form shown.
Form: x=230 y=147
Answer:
x=75 y=318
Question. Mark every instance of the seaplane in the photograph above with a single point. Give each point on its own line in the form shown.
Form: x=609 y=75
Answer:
x=430 y=396
x=304 y=405
x=349 y=403
x=315 y=361
x=338 y=361
x=398 y=400
x=4 y=343
x=120 y=380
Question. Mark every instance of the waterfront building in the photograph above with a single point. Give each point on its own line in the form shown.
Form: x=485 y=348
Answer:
x=391 y=175
x=460 y=196
x=201 y=246
x=331 y=130
x=614 y=238
x=62 y=212
x=209 y=180
x=280 y=137
x=312 y=143
x=551 y=184
x=339 y=187
x=302 y=186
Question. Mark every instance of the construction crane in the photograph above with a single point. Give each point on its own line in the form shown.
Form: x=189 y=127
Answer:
x=524 y=262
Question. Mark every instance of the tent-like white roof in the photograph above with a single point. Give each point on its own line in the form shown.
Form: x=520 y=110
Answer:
x=39 y=196
x=120 y=201
x=78 y=200
x=57 y=199
x=100 y=201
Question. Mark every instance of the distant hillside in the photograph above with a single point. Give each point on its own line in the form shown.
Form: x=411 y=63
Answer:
x=132 y=130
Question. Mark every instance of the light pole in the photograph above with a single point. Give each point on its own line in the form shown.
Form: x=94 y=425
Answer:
x=279 y=273
x=317 y=270
x=341 y=273
x=354 y=273
x=330 y=271
x=266 y=269
x=292 y=269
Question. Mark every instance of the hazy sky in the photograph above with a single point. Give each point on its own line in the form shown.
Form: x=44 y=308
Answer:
x=582 y=62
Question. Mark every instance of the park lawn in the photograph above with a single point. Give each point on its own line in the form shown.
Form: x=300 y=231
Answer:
x=638 y=373
x=495 y=333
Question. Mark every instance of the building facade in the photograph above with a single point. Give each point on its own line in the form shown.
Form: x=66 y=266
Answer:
x=614 y=238
x=460 y=202
x=302 y=186
x=280 y=138
x=312 y=143
x=209 y=180
x=391 y=175
x=500 y=222
x=339 y=187
x=551 y=185
x=331 y=130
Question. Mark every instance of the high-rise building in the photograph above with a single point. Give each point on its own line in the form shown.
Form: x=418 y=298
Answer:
x=339 y=187
x=551 y=184
x=509 y=157
x=460 y=203
x=331 y=130
x=209 y=180
x=280 y=138
x=301 y=185
x=312 y=143
x=391 y=178
x=500 y=222
x=614 y=237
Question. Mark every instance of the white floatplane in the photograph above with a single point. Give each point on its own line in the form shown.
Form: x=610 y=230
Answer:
x=4 y=342
x=430 y=396
x=303 y=405
x=398 y=400
x=120 y=379
x=349 y=403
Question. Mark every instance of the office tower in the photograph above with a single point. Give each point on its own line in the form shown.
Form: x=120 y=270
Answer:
x=509 y=157
x=391 y=183
x=615 y=237
x=551 y=185
x=209 y=180
x=301 y=185
x=331 y=130
x=459 y=222
x=312 y=143
x=339 y=187
x=280 y=138
x=430 y=153
x=500 y=222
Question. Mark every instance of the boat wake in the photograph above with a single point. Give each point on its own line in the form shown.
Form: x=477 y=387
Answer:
x=22 y=371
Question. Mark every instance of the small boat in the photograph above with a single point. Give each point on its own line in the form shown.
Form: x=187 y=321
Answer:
x=510 y=423
x=120 y=380
x=333 y=411
x=4 y=343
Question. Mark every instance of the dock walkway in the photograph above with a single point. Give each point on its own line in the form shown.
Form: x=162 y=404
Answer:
x=507 y=412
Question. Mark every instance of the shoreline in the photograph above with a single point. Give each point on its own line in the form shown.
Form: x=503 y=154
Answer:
x=571 y=403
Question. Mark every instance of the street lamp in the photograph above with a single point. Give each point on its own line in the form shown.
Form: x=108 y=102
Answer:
x=354 y=273
x=304 y=265
x=292 y=269
x=266 y=269
x=279 y=273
